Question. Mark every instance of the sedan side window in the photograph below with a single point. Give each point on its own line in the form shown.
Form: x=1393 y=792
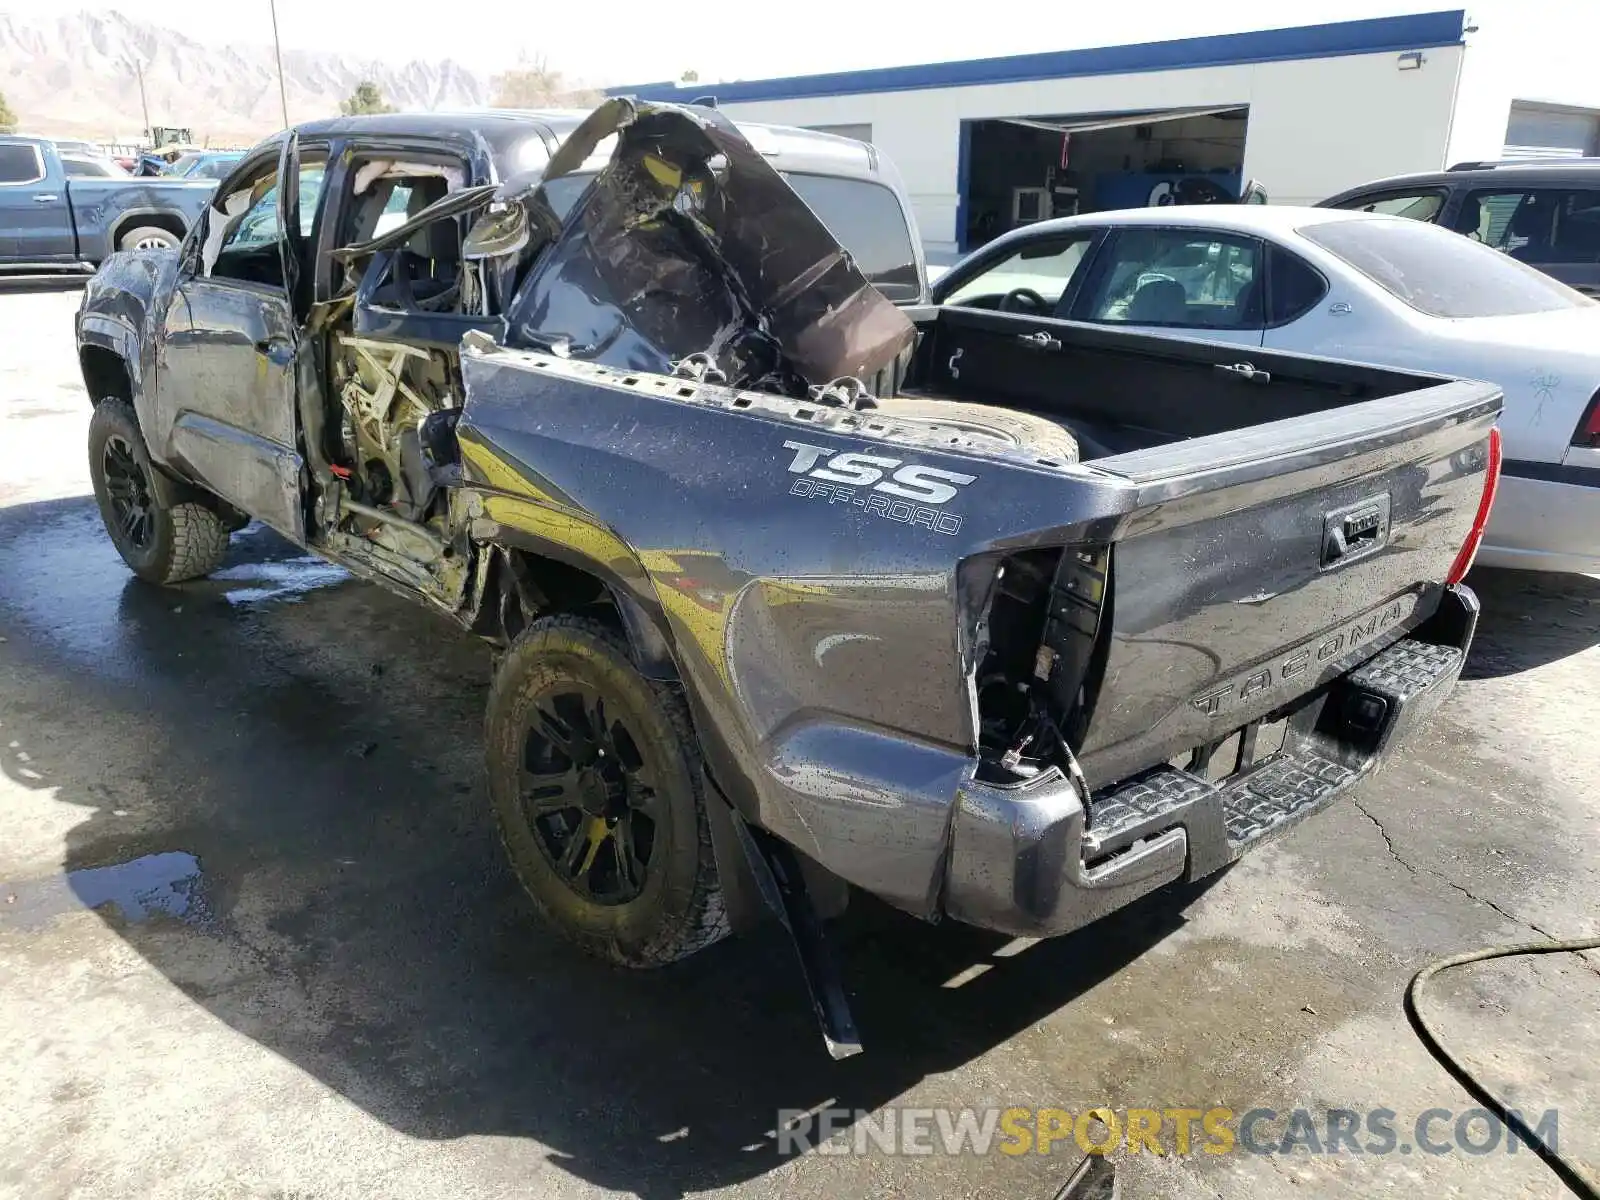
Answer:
x=1031 y=279
x=1418 y=206
x=88 y=168
x=1183 y=278
x=1294 y=287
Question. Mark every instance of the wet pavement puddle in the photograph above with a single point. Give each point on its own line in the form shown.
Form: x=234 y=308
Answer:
x=153 y=885
x=286 y=579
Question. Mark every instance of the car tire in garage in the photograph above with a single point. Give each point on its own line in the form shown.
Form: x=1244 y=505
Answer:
x=597 y=787
x=147 y=237
x=161 y=543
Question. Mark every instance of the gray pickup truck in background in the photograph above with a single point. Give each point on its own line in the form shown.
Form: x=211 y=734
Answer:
x=792 y=589
x=51 y=222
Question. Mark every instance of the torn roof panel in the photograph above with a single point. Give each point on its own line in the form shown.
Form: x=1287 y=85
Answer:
x=689 y=241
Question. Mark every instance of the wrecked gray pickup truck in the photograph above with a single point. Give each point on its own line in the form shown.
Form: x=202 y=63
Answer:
x=1000 y=618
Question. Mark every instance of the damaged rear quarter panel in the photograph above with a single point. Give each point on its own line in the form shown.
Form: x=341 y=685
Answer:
x=817 y=637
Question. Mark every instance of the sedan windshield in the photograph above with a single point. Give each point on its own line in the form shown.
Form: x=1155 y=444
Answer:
x=1441 y=273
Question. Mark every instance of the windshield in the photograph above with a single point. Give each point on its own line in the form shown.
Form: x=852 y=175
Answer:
x=864 y=217
x=212 y=166
x=1441 y=273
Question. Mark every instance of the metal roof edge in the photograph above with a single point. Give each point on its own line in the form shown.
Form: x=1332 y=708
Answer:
x=1417 y=31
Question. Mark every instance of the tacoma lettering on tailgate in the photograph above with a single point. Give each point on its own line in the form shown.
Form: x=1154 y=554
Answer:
x=1308 y=656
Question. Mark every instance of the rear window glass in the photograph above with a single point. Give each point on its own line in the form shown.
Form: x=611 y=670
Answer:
x=213 y=168
x=867 y=221
x=864 y=217
x=1438 y=272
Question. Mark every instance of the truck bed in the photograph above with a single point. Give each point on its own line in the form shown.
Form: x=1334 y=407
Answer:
x=1120 y=391
x=1242 y=471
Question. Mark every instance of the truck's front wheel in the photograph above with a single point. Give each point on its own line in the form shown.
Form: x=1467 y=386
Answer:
x=162 y=543
x=596 y=783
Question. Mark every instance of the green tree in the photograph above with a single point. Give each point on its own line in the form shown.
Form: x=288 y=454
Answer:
x=365 y=99
x=8 y=119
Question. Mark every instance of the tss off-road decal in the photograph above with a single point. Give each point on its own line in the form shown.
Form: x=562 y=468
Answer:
x=883 y=487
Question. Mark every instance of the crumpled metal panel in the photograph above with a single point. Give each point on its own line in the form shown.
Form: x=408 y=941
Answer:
x=689 y=242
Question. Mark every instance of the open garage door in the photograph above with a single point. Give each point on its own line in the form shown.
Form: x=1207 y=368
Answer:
x=1017 y=170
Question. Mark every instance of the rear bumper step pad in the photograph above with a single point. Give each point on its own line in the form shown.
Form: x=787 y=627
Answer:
x=1029 y=860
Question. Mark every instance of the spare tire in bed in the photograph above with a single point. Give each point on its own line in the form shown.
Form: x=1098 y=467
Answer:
x=1038 y=436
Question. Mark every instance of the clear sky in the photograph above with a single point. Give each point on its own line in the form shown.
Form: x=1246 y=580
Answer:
x=629 y=41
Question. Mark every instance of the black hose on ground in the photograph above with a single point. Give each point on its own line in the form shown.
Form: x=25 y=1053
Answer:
x=1564 y=1168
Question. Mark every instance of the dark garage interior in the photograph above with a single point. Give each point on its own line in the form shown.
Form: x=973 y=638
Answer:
x=1018 y=170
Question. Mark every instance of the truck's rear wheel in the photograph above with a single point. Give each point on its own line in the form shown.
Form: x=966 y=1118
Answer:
x=148 y=237
x=596 y=783
x=161 y=543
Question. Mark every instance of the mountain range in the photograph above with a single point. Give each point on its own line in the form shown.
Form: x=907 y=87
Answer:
x=75 y=75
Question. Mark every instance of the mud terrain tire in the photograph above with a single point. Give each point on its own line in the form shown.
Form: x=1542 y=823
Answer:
x=582 y=746
x=160 y=543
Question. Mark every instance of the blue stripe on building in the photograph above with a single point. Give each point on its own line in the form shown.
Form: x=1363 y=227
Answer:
x=1419 y=31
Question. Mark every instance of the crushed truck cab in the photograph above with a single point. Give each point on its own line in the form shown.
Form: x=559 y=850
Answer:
x=797 y=583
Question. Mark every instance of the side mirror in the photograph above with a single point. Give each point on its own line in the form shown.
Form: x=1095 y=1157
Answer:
x=1253 y=193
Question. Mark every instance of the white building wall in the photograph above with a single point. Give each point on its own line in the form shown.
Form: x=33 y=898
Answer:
x=1536 y=51
x=1316 y=125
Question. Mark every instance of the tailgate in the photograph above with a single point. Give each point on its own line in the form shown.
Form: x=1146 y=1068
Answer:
x=1260 y=564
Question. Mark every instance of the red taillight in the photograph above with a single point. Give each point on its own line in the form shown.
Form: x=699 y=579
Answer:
x=1588 y=431
x=1491 y=484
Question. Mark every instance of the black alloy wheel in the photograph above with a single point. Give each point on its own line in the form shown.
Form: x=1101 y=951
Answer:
x=598 y=787
x=128 y=488
x=588 y=794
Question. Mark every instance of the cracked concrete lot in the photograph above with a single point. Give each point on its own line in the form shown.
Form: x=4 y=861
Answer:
x=257 y=938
